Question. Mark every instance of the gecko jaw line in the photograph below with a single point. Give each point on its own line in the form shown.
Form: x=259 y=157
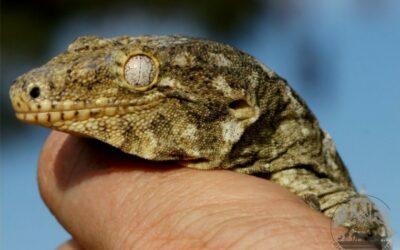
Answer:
x=58 y=117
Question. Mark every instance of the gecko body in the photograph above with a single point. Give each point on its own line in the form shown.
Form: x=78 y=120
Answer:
x=202 y=103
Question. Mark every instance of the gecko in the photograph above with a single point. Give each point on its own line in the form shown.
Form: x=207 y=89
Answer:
x=202 y=103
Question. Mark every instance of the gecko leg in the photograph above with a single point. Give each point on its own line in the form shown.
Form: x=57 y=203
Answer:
x=343 y=204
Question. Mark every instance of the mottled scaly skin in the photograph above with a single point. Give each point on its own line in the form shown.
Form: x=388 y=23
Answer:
x=210 y=106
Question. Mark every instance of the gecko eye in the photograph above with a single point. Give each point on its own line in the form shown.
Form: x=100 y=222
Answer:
x=141 y=71
x=35 y=92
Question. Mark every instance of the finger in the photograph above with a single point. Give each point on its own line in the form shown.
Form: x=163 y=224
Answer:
x=107 y=199
x=69 y=245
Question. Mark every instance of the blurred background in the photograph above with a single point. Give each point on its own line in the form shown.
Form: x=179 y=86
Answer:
x=342 y=56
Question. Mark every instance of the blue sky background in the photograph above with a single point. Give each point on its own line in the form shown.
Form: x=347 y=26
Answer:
x=355 y=50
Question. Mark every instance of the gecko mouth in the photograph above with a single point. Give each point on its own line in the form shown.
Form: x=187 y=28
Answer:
x=50 y=114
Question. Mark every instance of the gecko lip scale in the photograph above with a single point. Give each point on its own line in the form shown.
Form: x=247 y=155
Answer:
x=57 y=117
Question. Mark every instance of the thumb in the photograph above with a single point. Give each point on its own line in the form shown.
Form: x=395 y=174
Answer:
x=110 y=200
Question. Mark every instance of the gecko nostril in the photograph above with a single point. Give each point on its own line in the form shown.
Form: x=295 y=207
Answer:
x=35 y=92
x=239 y=104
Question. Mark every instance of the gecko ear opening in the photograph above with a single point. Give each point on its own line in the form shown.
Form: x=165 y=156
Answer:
x=241 y=109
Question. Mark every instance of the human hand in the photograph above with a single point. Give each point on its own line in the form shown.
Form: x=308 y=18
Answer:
x=110 y=200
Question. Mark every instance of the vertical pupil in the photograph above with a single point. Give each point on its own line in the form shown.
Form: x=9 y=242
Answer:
x=140 y=71
x=35 y=92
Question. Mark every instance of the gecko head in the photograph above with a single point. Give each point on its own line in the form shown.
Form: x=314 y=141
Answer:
x=158 y=97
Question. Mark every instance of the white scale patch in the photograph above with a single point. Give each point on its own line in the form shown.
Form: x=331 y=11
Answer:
x=183 y=59
x=148 y=148
x=189 y=131
x=253 y=79
x=305 y=131
x=222 y=85
x=329 y=149
x=220 y=60
x=231 y=131
x=166 y=41
x=167 y=81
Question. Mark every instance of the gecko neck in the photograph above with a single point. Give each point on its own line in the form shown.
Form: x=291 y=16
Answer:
x=287 y=132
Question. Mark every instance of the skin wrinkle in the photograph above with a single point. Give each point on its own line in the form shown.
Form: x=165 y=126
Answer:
x=301 y=224
x=124 y=231
x=198 y=221
x=185 y=213
x=151 y=225
x=217 y=203
x=178 y=243
x=315 y=232
x=241 y=239
x=264 y=225
x=287 y=244
x=180 y=212
x=197 y=176
x=170 y=240
x=147 y=216
x=242 y=236
x=247 y=234
x=95 y=218
x=149 y=212
x=166 y=219
x=124 y=239
x=153 y=212
x=222 y=224
x=131 y=221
